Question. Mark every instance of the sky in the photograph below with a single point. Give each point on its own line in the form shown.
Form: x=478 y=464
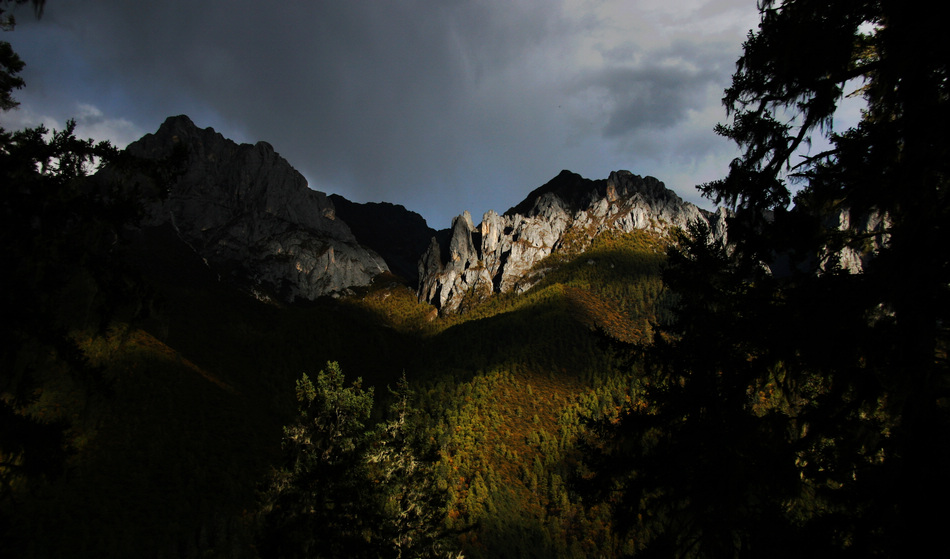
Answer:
x=440 y=106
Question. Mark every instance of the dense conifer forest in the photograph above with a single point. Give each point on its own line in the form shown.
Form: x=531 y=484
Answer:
x=664 y=396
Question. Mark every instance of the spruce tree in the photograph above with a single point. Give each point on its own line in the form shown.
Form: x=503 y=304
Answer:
x=318 y=502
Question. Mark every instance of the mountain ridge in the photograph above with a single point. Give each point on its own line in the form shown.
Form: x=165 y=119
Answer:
x=252 y=217
x=256 y=222
x=502 y=252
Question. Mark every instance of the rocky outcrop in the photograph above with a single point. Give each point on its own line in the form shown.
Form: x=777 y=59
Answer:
x=869 y=229
x=500 y=254
x=252 y=217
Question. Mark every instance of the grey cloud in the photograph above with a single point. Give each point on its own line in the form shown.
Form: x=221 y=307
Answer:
x=440 y=106
x=661 y=91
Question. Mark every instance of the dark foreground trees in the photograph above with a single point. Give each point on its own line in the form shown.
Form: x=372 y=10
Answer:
x=346 y=489
x=58 y=233
x=799 y=403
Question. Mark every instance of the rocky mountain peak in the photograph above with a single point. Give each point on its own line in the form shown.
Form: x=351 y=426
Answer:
x=500 y=253
x=255 y=222
x=567 y=188
x=252 y=217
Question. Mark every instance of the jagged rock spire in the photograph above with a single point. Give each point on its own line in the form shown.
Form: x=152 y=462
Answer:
x=499 y=255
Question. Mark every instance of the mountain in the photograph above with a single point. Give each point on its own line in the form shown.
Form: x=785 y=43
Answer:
x=252 y=217
x=502 y=253
x=400 y=236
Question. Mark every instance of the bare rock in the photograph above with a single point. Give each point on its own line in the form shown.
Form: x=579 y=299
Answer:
x=252 y=217
x=501 y=254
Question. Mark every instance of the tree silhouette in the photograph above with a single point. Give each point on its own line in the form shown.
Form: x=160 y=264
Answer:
x=798 y=403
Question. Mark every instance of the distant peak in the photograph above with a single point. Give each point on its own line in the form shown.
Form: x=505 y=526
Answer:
x=176 y=124
x=569 y=187
x=181 y=127
x=179 y=120
x=568 y=174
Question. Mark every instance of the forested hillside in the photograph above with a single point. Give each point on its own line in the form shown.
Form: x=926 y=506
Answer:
x=166 y=444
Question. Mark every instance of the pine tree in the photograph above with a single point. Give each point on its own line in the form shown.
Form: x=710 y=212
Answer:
x=402 y=463
x=319 y=502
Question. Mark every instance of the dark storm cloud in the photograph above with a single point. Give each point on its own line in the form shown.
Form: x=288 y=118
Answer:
x=440 y=106
x=660 y=92
x=354 y=94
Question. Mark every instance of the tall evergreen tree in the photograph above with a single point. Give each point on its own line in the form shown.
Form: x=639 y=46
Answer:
x=402 y=465
x=344 y=489
x=799 y=401
x=319 y=502
x=10 y=63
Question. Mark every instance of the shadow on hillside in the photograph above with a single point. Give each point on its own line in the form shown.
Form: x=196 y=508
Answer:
x=547 y=335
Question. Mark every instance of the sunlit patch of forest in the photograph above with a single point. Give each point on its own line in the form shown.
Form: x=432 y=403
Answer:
x=510 y=385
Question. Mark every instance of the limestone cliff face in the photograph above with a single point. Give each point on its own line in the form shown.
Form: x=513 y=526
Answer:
x=252 y=217
x=500 y=253
x=872 y=228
